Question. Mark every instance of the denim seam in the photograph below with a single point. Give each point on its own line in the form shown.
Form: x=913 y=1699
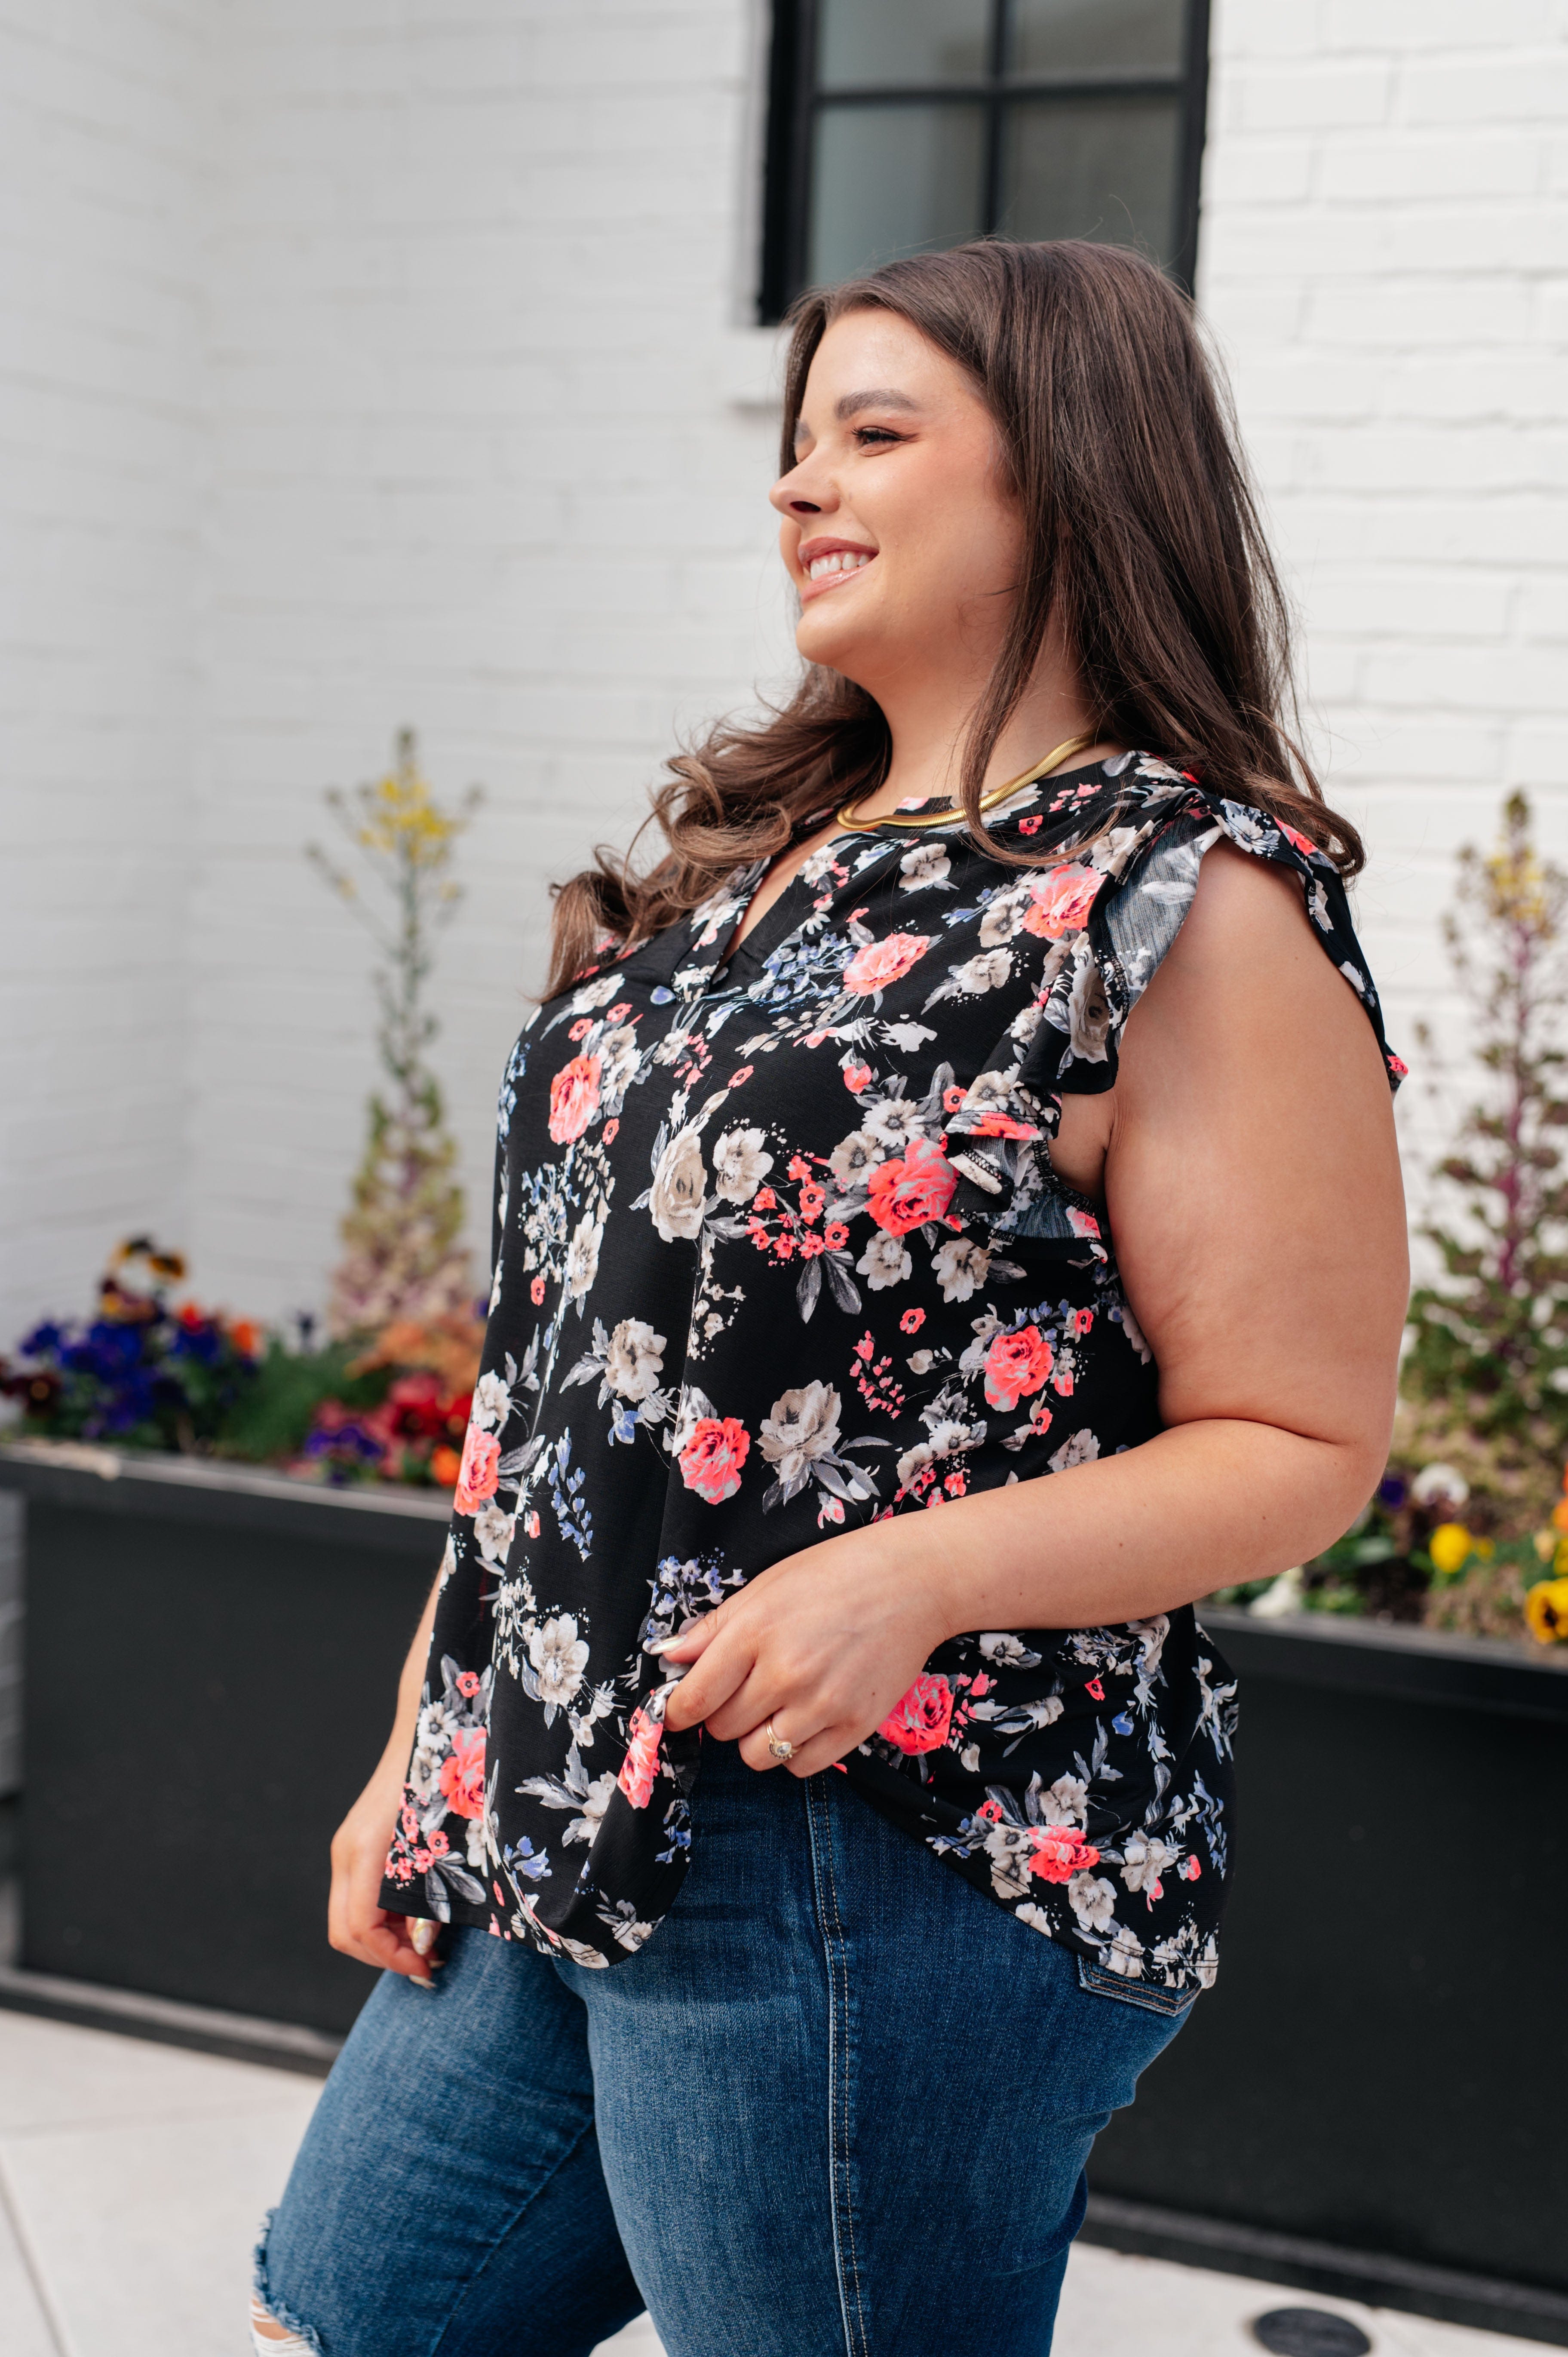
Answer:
x=280 y=2315
x=1096 y=1981
x=847 y=2264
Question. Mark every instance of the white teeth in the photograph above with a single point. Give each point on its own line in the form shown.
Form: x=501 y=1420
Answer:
x=843 y=560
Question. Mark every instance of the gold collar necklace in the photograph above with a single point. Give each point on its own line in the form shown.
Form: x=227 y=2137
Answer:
x=853 y=825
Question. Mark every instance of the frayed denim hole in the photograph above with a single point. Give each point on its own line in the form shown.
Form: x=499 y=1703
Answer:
x=279 y=2313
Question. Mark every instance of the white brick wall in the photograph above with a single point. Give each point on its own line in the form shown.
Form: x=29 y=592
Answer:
x=477 y=292
x=368 y=365
x=1385 y=260
x=100 y=375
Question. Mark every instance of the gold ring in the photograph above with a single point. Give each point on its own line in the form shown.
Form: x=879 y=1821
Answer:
x=782 y=1750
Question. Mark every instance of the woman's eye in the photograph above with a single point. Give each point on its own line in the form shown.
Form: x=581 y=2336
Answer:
x=869 y=436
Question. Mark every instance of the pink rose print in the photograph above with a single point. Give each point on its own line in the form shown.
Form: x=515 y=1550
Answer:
x=856 y=1077
x=479 y=1471
x=573 y=1098
x=905 y=1193
x=711 y=1460
x=1016 y=1365
x=880 y=963
x=1300 y=841
x=1001 y=1124
x=640 y=1765
x=463 y=1774
x=921 y=1720
x=1061 y=901
x=1060 y=1852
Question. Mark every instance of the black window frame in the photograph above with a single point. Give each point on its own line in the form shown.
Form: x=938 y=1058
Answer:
x=794 y=101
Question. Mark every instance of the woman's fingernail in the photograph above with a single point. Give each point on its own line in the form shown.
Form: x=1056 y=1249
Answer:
x=422 y=1934
x=661 y=1645
x=416 y=1981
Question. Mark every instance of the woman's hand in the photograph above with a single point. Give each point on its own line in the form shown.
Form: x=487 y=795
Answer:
x=356 y=1923
x=824 y=1643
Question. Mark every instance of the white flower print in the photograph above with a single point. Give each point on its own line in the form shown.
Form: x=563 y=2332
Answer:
x=1066 y=1803
x=960 y=1266
x=885 y=1261
x=492 y=1403
x=814 y=870
x=559 y=1658
x=1078 y=1448
x=1093 y=1899
x=1111 y=852
x=854 y=1157
x=1125 y=1954
x=676 y=1201
x=493 y=1530
x=1088 y=1016
x=1145 y=1859
x=922 y=1361
x=804 y=1425
x=992 y=1091
x=894 y=1120
x=740 y=1164
x=594 y=995
x=634 y=1359
x=619 y=1056
x=987 y=972
x=1035 y=1917
x=583 y=1257
x=1004 y=915
x=927 y=864
x=915 y=1460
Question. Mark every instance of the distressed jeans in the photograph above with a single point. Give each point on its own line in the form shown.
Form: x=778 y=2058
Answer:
x=839 y=2103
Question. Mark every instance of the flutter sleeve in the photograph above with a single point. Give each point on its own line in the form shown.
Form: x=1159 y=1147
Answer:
x=1109 y=915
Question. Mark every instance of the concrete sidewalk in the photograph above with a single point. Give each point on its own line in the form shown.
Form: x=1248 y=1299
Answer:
x=133 y=2177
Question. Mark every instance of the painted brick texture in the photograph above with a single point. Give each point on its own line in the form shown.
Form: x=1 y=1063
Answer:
x=101 y=453
x=1385 y=264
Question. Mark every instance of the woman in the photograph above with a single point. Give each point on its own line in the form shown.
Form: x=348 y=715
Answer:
x=981 y=1107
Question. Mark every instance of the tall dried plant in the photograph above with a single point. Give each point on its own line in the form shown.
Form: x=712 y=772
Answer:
x=1486 y=1375
x=403 y=1257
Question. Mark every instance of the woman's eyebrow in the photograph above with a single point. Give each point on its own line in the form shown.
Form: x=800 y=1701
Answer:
x=850 y=405
x=884 y=397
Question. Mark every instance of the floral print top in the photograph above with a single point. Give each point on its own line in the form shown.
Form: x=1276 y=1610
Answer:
x=778 y=1250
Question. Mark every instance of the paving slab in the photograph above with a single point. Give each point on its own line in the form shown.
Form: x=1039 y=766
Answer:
x=133 y=2177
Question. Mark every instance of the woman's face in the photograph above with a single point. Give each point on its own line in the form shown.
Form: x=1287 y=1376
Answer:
x=898 y=531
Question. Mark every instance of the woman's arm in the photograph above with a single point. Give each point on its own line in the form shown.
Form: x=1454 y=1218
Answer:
x=356 y=1923
x=1251 y=1179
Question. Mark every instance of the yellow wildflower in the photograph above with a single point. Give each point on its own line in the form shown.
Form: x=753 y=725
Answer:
x=1546 y=1543
x=1449 y=1546
x=1546 y=1610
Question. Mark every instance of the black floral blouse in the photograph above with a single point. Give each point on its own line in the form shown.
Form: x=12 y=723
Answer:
x=778 y=1250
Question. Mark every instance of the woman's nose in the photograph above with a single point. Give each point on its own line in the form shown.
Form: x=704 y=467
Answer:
x=800 y=495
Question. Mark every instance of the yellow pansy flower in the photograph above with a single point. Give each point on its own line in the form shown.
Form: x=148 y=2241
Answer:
x=1450 y=1548
x=1546 y=1610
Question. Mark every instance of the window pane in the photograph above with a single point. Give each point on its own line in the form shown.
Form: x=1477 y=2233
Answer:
x=1087 y=35
x=896 y=42
x=1101 y=169
x=888 y=179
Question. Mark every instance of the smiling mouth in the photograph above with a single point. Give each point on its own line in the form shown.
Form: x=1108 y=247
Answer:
x=837 y=565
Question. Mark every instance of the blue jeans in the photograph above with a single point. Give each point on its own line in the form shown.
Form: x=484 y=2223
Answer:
x=839 y=2102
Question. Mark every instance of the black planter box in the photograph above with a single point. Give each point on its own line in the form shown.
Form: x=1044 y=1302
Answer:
x=1382 y=2067
x=211 y=1667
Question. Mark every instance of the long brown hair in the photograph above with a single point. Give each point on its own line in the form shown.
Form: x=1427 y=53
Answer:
x=1141 y=534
